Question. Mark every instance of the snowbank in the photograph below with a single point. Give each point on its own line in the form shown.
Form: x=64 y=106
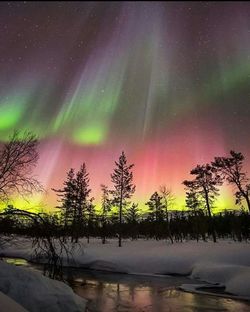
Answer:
x=7 y=304
x=236 y=278
x=225 y=262
x=35 y=292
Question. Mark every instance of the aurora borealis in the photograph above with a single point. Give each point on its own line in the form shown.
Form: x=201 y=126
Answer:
x=167 y=82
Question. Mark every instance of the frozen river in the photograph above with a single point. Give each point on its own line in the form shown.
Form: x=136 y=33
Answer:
x=109 y=292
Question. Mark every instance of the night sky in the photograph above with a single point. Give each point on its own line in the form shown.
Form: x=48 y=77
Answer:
x=167 y=82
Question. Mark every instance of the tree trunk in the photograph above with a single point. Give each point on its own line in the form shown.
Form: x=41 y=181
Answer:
x=196 y=225
x=210 y=216
x=120 y=226
x=120 y=218
x=103 y=232
x=248 y=202
x=168 y=228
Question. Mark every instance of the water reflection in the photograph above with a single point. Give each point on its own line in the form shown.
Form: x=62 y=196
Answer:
x=109 y=292
x=120 y=293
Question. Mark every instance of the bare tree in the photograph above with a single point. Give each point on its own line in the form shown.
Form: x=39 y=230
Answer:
x=47 y=243
x=168 y=202
x=18 y=158
x=230 y=169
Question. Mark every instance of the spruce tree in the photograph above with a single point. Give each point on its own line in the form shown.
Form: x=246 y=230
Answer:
x=156 y=214
x=156 y=208
x=67 y=198
x=122 y=179
x=132 y=215
x=75 y=201
x=132 y=219
x=83 y=202
x=193 y=203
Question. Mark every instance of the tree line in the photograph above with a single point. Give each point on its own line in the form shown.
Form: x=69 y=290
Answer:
x=118 y=215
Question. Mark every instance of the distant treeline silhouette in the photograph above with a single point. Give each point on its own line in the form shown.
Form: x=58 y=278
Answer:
x=182 y=226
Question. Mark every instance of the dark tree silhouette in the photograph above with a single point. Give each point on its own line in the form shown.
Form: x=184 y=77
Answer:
x=205 y=186
x=90 y=217
x=193 y=203
x=105 y=209
x=67 y=198
x=156 y=214
x=50 y=238
x=122 y=178
x=132 y=218
x=18 y=158
x=156 y=207
x=76 y=202
x=168 y=202
x=230 y=169
x=47 y=243
x=84 y=206
x=132 y=214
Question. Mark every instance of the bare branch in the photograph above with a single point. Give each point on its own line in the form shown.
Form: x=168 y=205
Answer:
x=18 y=158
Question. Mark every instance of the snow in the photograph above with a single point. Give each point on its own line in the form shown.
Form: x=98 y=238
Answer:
x=35 y=292
x=211 y=290
x=7 y=304
x=236 y=278
x=225 y=262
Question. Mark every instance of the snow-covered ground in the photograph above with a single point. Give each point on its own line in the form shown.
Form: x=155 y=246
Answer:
x=8 y=304
x=24 y=290
x=225 y=262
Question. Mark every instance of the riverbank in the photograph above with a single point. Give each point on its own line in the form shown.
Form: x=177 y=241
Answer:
x=226 y=263
x=106 y=291
x=23 y=290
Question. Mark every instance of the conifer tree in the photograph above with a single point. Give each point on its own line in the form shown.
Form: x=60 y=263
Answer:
x=75 y=201
x=83 y=201
x=193 y=203
x=132 y=218
x=132 y=215
x=156 y=208
x=122 y=179
x=67 y=198
x=205 y=186
x=156 y=214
